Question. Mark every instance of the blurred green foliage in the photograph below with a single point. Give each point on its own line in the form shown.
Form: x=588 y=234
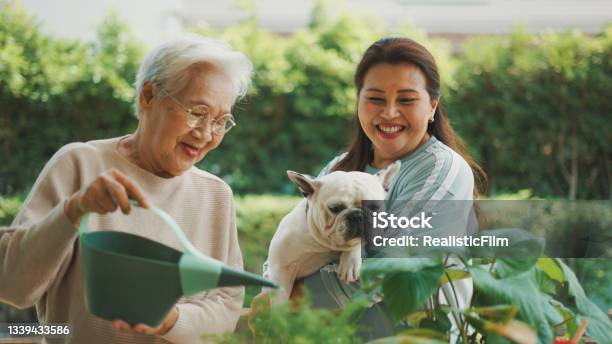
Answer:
x=297 y=116
x=535 y=111
x=257 y=218
x=532 y=108
x=55 y=91
x=300 y=111
x=297 y=323
x=9 y=207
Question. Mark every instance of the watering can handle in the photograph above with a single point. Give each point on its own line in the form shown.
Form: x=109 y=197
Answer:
x=164 y=216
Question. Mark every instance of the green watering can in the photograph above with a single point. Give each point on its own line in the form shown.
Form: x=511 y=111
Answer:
x=139 y=280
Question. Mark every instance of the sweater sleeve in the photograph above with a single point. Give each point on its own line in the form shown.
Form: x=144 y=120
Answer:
x=32 y=256
x=215 y=311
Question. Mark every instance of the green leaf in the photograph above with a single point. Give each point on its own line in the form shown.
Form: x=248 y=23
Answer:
x=405 y=292
x=498 y=313
x=498 y=331
x=567 y=316
x=550 y=267
x=600 y=327
x=441 y=324
x=545 y=283
x=515 y=330
x=453 y=275
x=553 y=315
x=507 y=267
x=520 y=290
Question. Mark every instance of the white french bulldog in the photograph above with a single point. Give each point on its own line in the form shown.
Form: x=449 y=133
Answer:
x=326 y=225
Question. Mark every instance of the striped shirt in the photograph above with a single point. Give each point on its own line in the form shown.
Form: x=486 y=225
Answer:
x=432 y=172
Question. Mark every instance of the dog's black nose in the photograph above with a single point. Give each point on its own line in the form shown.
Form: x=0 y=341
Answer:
x=354 y=224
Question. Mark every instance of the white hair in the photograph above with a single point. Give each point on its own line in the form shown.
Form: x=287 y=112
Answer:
x=168 y=64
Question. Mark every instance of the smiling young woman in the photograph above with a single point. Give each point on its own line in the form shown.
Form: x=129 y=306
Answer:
x=400 y=117
x=399 y=110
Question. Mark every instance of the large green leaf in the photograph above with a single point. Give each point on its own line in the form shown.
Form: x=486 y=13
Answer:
x=520 y=290
x=600 y=327
x=405 y=292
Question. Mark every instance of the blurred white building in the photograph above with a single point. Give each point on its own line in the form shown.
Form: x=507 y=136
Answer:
x=154 y=20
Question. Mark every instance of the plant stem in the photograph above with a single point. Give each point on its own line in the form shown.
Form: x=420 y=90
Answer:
x=461 y=321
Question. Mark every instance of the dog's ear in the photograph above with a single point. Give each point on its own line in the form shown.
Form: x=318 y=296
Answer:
x=307 y=184
x=386 y=176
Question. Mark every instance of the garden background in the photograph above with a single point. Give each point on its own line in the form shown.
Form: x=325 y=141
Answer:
x=534 y=110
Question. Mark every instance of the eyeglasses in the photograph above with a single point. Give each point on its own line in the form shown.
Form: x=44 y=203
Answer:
x=200 y=115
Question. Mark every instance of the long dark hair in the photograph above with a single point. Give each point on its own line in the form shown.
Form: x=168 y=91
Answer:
x=398 y=50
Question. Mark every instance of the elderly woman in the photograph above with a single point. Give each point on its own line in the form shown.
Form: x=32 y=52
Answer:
x=185 y=90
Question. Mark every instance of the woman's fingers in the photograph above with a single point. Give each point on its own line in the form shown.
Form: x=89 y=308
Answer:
x=138 y=328
x=121 y=325
x=133 y=191
x=110 y=191
x=118 y=194
x=145 y=329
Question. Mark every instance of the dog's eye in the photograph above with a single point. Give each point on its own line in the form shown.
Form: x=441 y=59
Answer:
x=336 y=208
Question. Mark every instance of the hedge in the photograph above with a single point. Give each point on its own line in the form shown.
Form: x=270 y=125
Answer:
x=533 y=108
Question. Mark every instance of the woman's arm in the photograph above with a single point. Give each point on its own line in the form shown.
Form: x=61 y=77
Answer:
x=31 y=257
x=38 y=251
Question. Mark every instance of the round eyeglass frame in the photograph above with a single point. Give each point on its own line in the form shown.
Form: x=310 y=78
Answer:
x=219 y=126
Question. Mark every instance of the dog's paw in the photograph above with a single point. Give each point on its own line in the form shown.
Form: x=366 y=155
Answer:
x=349 y=266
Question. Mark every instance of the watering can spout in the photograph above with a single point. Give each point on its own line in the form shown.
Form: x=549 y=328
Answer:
x=232 y=277
x=199 y=272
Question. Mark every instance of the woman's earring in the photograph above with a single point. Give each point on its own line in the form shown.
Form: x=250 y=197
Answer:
x=431 y=119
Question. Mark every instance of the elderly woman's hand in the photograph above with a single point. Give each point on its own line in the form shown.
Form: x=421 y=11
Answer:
x=162 y=329
x=105 y=194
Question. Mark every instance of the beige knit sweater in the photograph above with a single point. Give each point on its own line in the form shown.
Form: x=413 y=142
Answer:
x=40 y=262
